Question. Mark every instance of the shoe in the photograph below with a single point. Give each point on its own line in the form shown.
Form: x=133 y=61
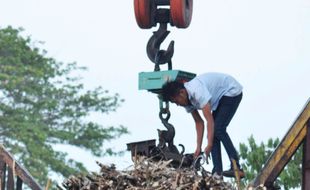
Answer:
x=217 y=176
x=231 y=173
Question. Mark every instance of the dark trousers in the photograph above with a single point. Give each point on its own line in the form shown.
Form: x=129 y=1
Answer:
x=222 y=116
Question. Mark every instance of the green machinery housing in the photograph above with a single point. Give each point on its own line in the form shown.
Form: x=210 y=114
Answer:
x=153 y=81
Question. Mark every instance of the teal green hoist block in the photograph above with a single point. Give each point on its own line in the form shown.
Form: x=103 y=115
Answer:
x=153 y=81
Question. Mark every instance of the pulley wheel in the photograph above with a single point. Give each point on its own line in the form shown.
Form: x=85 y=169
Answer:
x=143 y=13
x=181 y=12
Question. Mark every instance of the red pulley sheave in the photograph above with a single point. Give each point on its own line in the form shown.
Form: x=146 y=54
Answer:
x=181 y=12
x=143 y=13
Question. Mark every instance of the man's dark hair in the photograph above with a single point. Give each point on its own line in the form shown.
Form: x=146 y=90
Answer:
x=171 y=89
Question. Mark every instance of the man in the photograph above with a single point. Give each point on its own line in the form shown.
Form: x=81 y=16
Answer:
x=218 y=96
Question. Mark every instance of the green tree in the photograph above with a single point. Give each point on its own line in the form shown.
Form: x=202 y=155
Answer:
x=42 y=104
x=254 y=156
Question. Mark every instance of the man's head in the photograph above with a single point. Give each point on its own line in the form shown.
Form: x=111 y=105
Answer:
x=175 y=92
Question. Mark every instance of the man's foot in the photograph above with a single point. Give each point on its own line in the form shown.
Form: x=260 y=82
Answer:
x=231 y=173
x=217 y=176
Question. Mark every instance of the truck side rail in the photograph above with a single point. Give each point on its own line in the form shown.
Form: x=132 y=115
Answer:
x=10 y=168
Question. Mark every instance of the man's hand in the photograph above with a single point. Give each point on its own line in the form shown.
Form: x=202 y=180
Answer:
x=197 y=152
x=207 y=151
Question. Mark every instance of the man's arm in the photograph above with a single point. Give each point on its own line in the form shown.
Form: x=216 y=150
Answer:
x=199 y=131
x=206 y=110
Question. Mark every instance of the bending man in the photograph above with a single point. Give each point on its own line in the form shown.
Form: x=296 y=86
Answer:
x=218 y=96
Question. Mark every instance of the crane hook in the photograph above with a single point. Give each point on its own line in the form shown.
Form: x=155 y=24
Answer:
x=155 y=54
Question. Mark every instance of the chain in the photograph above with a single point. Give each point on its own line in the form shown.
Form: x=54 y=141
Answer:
x=164 y=110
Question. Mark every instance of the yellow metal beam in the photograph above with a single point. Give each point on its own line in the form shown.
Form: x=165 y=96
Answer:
x=285 y=150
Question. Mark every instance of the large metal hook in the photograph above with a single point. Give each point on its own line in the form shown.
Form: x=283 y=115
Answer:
x=154 y=53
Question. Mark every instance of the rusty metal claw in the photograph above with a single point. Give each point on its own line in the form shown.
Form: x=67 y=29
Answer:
x=154 y=53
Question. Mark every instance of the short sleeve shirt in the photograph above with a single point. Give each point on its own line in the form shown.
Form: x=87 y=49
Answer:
x=210 y=87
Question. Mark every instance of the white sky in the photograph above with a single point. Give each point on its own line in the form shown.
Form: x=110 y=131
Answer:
x=264 y=44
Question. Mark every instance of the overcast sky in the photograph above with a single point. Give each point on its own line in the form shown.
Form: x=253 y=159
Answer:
x=264 y=44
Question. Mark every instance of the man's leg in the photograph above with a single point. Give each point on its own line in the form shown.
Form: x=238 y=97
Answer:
x=222 y=116
x=216 y=156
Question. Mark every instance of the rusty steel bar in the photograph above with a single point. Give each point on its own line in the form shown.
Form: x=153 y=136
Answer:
x=2 y=173
x=19 y=184
x=10 y=182
x=20 y=171
x=306 y=160
x=141 y=147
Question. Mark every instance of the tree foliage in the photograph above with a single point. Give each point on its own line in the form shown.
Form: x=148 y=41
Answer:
x=254 y=156
x=42 y=104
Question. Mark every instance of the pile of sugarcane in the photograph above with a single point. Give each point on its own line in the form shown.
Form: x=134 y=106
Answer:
x=146 y=174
